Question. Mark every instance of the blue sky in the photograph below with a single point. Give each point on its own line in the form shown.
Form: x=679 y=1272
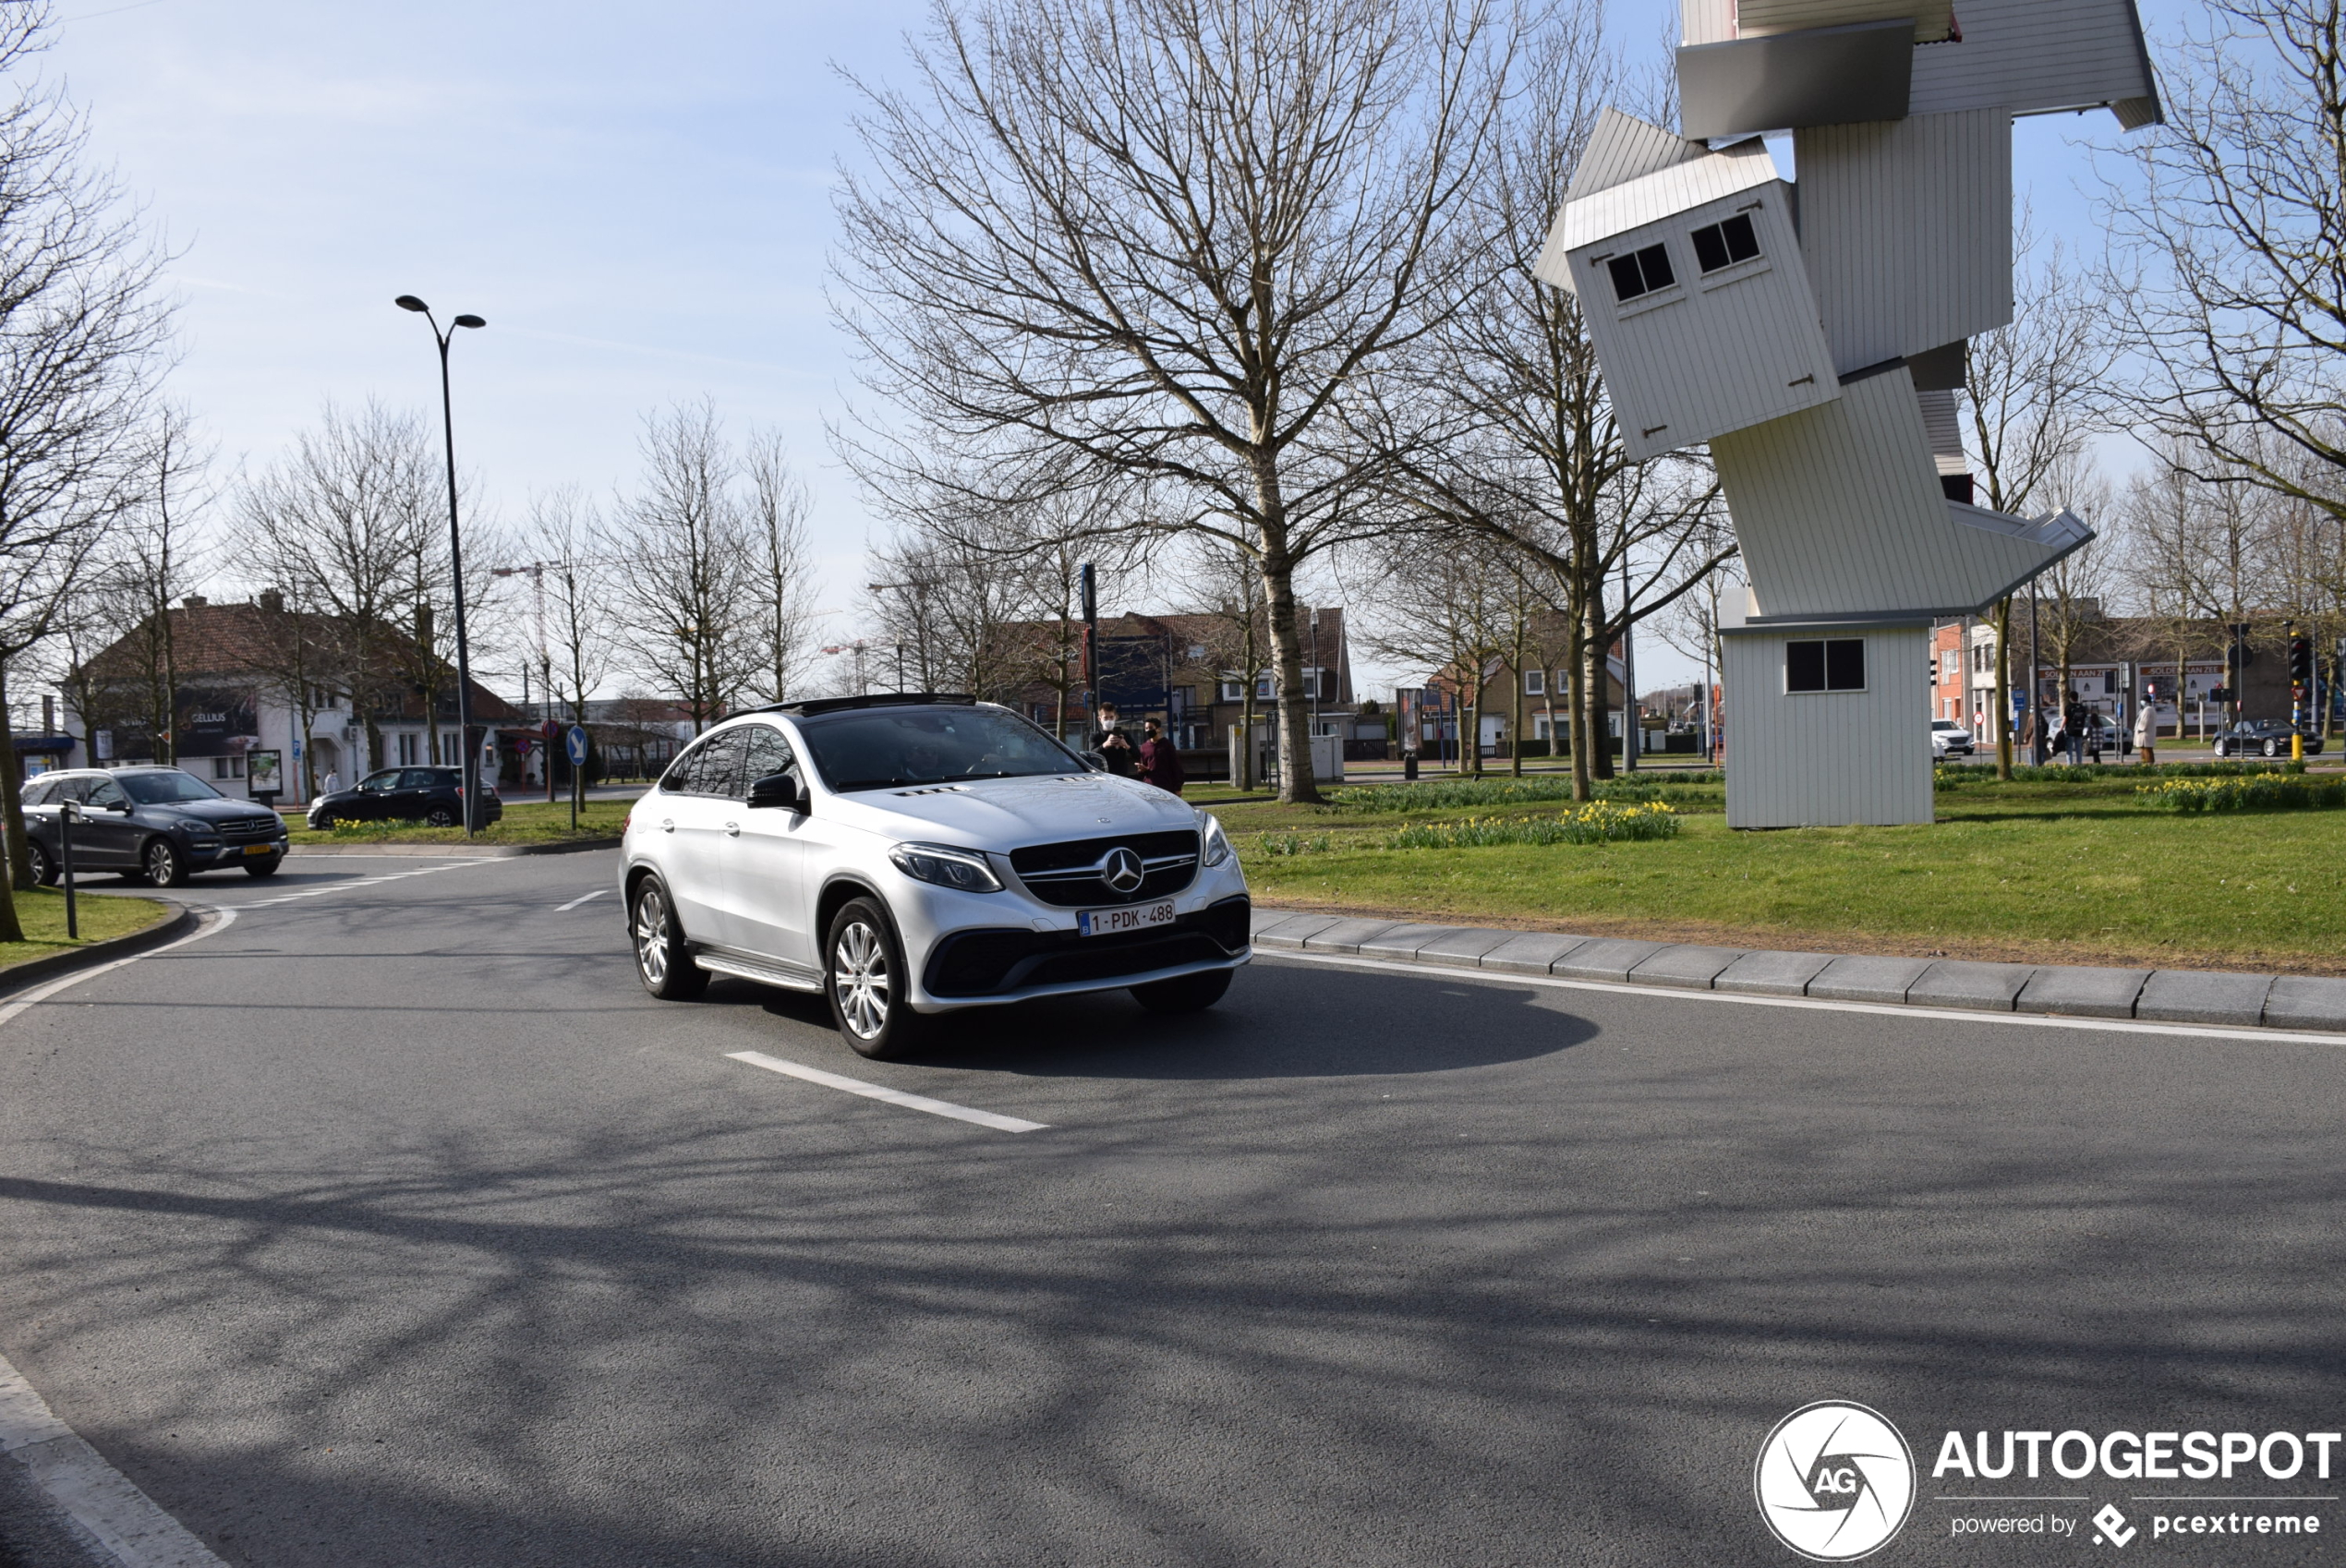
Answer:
x=636 y=197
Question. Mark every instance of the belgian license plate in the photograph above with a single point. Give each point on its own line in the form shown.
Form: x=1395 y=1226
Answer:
x=260 y=849
x=1133 y=917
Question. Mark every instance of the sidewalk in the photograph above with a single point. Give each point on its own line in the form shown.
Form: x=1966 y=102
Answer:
x=2184 y=996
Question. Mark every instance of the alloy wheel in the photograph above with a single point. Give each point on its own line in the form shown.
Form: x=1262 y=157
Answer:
x=860 y=980
x=162 y=864
x=652 y=936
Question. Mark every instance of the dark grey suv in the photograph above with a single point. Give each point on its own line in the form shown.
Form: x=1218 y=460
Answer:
x=153 y=824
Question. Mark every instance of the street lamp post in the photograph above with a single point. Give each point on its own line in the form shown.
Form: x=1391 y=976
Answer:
x=471 y=759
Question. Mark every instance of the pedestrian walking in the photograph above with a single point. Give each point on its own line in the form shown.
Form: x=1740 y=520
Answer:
x=2147 y=733
x=1160 y=761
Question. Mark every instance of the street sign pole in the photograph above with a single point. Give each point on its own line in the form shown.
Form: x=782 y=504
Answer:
x=575 y=745
x=67 y=813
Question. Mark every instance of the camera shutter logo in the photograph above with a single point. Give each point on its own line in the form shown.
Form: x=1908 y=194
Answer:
x=1834 y=1481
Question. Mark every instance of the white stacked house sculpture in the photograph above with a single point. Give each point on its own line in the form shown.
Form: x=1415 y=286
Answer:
x=1814 y=334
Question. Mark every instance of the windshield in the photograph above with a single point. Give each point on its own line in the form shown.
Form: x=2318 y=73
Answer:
x=160 y=788
x=881 y=748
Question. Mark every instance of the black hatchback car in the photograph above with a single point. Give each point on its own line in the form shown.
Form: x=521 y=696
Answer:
x=2264 y=738
x=155 y=824
x=434 y=795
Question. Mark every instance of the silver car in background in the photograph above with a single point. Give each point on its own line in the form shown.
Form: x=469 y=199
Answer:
x=910 y=856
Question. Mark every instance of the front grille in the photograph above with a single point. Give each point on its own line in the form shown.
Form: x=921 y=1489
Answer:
x=1067 y=873
x=981 y=963
x=250 y=828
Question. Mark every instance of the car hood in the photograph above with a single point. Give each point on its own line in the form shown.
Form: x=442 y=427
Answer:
x=211 y=811
x=1007 y=814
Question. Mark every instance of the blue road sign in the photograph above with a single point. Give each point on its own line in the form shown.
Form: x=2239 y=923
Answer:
x=575 y=744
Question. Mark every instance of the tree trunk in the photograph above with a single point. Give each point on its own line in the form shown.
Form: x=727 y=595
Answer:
x=1599 y=646
x=1515 y=720
x=2003 y=687
x=1576 y=653
x=1297 y=787
x=12 y=823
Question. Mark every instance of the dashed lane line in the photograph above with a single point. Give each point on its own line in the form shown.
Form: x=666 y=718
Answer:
x=891 y=1096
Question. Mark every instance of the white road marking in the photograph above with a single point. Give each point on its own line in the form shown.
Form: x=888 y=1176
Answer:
x=575 y=902
x=345 y=887
x=215 y=921
x=892 y=1096
x=99 y=1497
x=1886 y=1009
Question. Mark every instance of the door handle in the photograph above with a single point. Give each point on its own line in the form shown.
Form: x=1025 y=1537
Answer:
x=732 y=830
x=668 y=825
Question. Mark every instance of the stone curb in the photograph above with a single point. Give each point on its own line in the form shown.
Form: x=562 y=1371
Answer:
x=48 y=965
x=2187 y=996
x=458 y=851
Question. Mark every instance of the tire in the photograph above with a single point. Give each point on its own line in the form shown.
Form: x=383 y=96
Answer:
x=46 y=872
x=262 y=868
x=1184 y=994
x=662 y=961
x=864 y=981
x=2272 y=748
x=162 y=863
x=441 y=816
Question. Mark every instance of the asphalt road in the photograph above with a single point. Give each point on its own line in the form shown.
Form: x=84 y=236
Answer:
x=395 y=1224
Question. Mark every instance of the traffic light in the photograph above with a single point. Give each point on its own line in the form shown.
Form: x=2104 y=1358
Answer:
x=2301 y=663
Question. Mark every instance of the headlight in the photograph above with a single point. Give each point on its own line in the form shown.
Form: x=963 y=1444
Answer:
x=964 y=869
x=1216 y=848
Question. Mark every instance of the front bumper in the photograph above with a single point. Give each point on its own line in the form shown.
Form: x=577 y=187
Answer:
x=969 y=950
x=1005 y=963
x=208 y=857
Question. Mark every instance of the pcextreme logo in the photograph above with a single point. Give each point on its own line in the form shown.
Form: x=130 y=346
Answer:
x=1834 y=1481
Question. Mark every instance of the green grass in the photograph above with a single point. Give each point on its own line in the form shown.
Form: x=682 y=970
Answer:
x=42 y=912
x=532 y=822
x=2055 y=871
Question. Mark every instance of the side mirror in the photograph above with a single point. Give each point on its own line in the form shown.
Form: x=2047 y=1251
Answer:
x=786 y=791
x=1096 y=761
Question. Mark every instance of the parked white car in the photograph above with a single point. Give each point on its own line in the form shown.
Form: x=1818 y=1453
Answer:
x=1949 y=739
x=909 y=856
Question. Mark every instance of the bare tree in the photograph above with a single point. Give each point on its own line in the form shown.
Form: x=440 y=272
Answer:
x=82 y=327
x=2035 y=389
x=351 y=528
x=682 y=554
x=779 y=631
x=1454 y=604
x=2234 y=240
x=1161 y=239
x=1503 y=426
x=572 y=613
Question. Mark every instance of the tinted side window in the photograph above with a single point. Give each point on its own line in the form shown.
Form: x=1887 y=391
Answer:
x=37 y=793
x=420 y=779
x=766 y=752
x=107 y=792
x=678 y=780
x=720 y=772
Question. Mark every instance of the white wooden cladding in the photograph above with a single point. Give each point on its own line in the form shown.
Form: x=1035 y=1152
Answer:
x=1621 y=149
x=1838 y=512
x=1633 y=204
x=2038 y=56
x=1710 y=354
x=1905 y=226
x=1758 y=18
x=1826 y=759
x=1944 y=425
x=1706 y=22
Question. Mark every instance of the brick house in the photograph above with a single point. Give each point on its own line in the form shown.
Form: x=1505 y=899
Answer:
x=239 y=669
